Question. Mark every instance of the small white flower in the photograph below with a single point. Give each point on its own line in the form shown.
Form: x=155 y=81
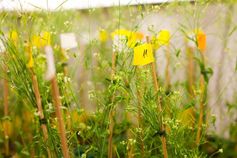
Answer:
x=83 y=155
x=36 y=113
x=220 y=150
x=79 y=132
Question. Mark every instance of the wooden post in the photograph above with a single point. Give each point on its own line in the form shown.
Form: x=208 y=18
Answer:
x=51 y=75
x=202 y=104
x=111 y=112
x=156 y=86
x=57 y=102
x=40 y=109
x=201 y=41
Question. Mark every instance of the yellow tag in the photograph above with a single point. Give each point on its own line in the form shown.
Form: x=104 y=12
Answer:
x=46 y=39
x=42 y=40
x=201 y=40
x=187 y=117
x=163 y=37
x=28 y=49
x=120 y=32
x=36 y=41
x=143 y=55
x=31 y=62
x=133 y=38
x=103 y=36
x=139 y=36
x=13 y=36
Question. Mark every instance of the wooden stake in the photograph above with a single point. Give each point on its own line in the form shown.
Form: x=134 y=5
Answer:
x=201 y=114
x=156 y=86
x=202 y=102
x=51 y=75
x=57 y=102
x=40 y=109
x=111 y=112
x=190 y=69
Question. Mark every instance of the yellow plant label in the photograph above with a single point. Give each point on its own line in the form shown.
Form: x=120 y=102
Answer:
x=133 y=38
x=28 y=49
x=163 y=37
x=120 y=32
x=41 y=41
x=36 y=41
x=31 y=62
x=143 y=55
x=13 y=36
x=201 y=41
x=103 y=35
x=119 y=38
x=46 y=39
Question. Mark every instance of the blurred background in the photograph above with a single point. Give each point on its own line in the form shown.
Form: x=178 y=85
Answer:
x=93 y=21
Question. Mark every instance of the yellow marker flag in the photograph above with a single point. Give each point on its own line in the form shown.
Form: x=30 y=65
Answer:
x=46 y=39
x=36 y=41
x=201 y=40
x=163 y=37
x=133 y=38
x=13 y=36
x=31 y=62
x=139 y=35
x=143 y=55
x=187 y=117
x=103 y=35
x=120 y=32
x=28 y=49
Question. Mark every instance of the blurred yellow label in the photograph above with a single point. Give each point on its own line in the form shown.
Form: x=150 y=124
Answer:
x=201 y=40
x=42 y=40
x=163 y=37
x=120 y=32
x=143 y=55
x=103 y=35
x=28 y=49
x=13 y=36
x=46 y=38
x=133 y=38
x=187 y=117
x=36 y=41
x=31 y=62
